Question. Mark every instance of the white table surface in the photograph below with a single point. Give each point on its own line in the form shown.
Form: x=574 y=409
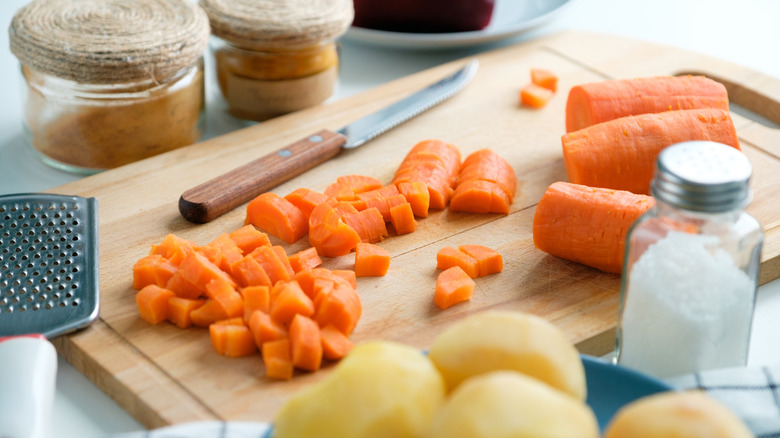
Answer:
x=744 y=31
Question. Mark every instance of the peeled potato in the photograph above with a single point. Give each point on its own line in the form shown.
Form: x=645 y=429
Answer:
x=380 y=389
x=507 y=404
x=504 y=340
x=676 y=414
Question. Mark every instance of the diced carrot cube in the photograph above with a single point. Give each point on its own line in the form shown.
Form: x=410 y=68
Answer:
x=371 y=260
x=305 y=259
x=247 y=238
x=232 y=340
x=265 y=329
x=305 y=343
x=179 y=310
x=152 y=302
x=289 y=302
x=534 y=96
x=277 y=359
x=544 y=78
x=453 y=286
x=448 y=257
x=488 y=259
x=335 y=345
x=402 y=218
x=256 y=298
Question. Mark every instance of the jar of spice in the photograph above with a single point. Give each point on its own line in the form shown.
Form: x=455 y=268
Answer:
x=274 y=57
x=691 y=267
x=109 y=82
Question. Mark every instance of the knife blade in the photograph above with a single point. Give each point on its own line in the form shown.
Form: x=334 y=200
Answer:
x=223 y=193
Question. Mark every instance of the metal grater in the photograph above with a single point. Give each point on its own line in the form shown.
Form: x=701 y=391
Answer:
x=48 y=264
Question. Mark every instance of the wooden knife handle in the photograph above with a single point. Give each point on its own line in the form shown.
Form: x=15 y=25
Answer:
x=216 y=197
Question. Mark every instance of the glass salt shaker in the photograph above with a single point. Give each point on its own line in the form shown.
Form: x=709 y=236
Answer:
x=691 y=266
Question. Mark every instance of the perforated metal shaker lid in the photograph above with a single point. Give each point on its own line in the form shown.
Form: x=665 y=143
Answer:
x=702 y=176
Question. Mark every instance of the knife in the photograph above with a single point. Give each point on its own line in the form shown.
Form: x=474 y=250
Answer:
x=216 y=197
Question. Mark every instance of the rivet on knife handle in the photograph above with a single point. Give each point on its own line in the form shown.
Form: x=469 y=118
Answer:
x=213 y=198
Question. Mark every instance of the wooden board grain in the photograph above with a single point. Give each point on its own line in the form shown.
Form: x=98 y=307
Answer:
x=163 y=375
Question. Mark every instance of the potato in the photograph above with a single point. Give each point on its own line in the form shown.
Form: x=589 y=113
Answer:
x=676 y=414
x=380 y=389
x=504 y=404
x=504 y=340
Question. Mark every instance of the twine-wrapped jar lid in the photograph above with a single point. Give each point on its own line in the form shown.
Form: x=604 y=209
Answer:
x=278 y=24
x=109 y=41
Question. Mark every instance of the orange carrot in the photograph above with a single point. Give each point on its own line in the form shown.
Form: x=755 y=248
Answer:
x=335 y=345
x=486 y=184
x=305 y=343
x=448 y=257
x=544 y=78
x=587 y=225
x=274 y=262
x=597 y=102
x=264 y=329
x=277 y=359
x=339 y=306
x=152 y=302
x=227 y=296
x=435 y=163
x=255 y=298
x=291 y=301
x=247 y=238
x=152 y=269
x=402 y=218
x=305 y=259
x=371 y=260
x=172 y=248
x=229 y=251
x=535 y=96
x=179 y=310
x=381 y=192
x=199 y=270
x=306 y=199
x=488 y=260
x=416 y=194
x=232 y=340
x=620 y=154
x=368 y=224
x=278 y=216
x=453 y=286
x=249 y=272
x=183 y=288
x=347 y=275
x=329 y=233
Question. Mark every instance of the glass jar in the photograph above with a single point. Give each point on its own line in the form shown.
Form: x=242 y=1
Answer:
x=109 y=82
x=691 y=266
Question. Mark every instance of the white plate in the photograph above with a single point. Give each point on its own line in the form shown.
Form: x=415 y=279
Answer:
x=510 y=17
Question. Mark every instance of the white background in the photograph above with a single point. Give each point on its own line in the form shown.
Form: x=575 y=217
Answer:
x=744 y=31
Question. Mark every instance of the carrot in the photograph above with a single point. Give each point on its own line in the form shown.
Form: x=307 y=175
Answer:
x=416 y=194
x=488 y=260
x=597 y=102
x=232 y=340
x=227 y=296
x=447 y=257
x=346 y=275
x=368 y=224
x=587 y=225
x=247 y=238
x=339 y=306
x=305 y=343
x=265 y=329
x=179 y=310
x=277 y=216
x=172 y=248
x=535 y=96
x=255 y=298
x=544 y=78
x=290 y=301
x=199 y=270
x=184 y=288
x=402 y=218
x=329 y=233
x=486 y=184
x=305 y=259
x=371 y=260
x=152 y=269
x=335 y=345
x=249 y=272
x=277 y=359
x=152 y=302
x=306 y=199
x=387 y=191
x=453 y=286
x=620 y=154
x=229 y=251
x=274 y=262
x=435 y=163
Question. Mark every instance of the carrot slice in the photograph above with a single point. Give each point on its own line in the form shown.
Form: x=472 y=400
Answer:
x=402 y=218
x=306 y=199
x=486 y=184
x=179 y=310
x=371 y=260
x=453 y=286
x=256 y=298
x=277 y=359
x=544 y=78
x=152 y=269
x=291 y=301
x=587 y=225
x=305 y=343
x=277 y=216
x=448 y=257
x=249 y=272
x=265 y=329
x=247 y=238
x=435 y=163
x=489 y=261
x=232 y=340
x=339 y=306
x=620 y=154
x=172 y=248
x=152 y=302
x=305 y=259
x=597 y=102
x=416 y=194
x=535 y=96
x=335 y=345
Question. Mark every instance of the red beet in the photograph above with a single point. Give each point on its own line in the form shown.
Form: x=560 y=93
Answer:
x=423 y=16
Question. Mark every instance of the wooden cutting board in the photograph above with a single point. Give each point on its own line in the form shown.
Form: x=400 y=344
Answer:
x=164 y=375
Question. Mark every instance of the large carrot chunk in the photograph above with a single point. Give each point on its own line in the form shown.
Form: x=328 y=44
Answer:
x=305 y=343
x=447 y=257
x=152 y=301
x=453 y=286
x=371 y=260
x=597 y=102
x=278 y=216
x=436 y=164
x=486 y=184
x=587 y=225
x=620 y=154
x=277 y=359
